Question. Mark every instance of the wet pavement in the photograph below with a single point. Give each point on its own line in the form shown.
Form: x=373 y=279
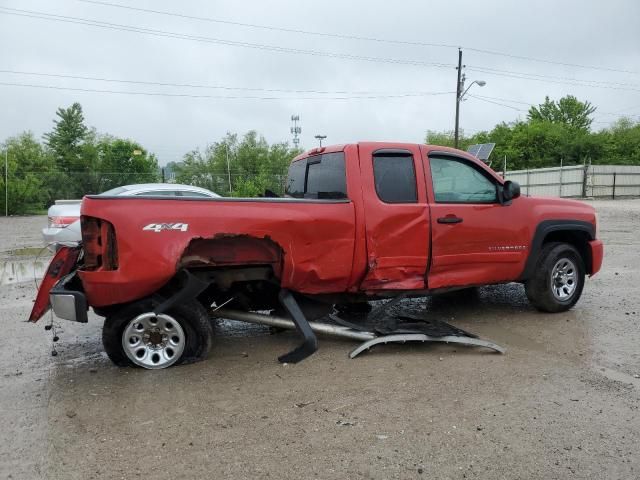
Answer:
x=563 y=402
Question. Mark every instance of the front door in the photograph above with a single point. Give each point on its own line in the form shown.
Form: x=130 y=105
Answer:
x=475 y=239
x=396 y=217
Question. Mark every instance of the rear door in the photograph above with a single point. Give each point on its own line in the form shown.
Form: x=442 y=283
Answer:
x=475 y=239
x=396 y=217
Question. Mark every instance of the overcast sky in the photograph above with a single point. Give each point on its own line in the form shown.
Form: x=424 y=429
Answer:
x=591 y=33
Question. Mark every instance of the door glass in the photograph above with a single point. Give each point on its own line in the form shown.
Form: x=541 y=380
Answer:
x=395 y=178
x=455 y=181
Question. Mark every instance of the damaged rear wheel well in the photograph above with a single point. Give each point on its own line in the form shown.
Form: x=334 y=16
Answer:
x=228 y=250
x=248 y=287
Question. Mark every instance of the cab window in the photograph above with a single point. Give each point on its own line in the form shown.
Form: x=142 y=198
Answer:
x=456 y=181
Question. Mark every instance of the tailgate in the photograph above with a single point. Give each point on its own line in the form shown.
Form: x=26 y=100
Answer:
x=63 y=262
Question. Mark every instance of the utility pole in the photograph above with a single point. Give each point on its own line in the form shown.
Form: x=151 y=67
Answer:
x=458 y=95
x=296 y=130
x=228 y=166
x=320 y=138
x=6 y=181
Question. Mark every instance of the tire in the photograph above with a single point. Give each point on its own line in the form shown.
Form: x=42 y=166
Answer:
x=560 y=294
x=188 y=322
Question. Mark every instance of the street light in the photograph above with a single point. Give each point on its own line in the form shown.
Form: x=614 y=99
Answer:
x=480 y=83
x=320 y=138
x=459 y=97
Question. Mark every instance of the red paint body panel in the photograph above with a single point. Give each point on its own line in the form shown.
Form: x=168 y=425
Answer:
x=397 y=234
x=597 y=254
x=317 y=239
x=326 y=246
x=62 y=263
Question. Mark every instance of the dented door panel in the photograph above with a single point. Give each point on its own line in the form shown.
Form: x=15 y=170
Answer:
x=397 y=234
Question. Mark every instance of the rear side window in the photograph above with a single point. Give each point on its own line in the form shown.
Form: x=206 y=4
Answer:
x=191 y=193
x=320 y=176
x=395 y=177
x=158 y=193
x=296 y=179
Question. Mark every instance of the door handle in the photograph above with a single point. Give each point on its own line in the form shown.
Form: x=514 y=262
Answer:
x=450 y=219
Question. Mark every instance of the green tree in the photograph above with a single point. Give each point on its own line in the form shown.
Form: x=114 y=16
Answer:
x=67 y=136
x=620 y=143
x=123 y=162
x=67 y=144
x=568 y=111
x=555 y=132
x=251 y=163
x=28 y=167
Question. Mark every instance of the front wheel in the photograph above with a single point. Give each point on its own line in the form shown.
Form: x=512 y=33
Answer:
x=558 y=279
x=136 y=336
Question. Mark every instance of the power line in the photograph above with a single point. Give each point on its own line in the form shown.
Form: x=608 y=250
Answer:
x=529 y=104
x=275 y=48
x=222 y=97
x=273 y=28
x=496 y=103
x=211 y=40
x=356 y=37
x=553 y=77
x=491 y=100
x=167 y=34
x=201 y=86
x=546 y=79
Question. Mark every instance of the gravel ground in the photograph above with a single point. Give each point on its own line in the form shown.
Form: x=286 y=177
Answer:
x=561 y=403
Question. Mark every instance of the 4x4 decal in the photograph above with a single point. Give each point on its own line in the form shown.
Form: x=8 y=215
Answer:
x=159 y=227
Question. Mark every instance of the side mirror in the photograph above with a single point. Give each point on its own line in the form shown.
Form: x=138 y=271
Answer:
x=510 y=190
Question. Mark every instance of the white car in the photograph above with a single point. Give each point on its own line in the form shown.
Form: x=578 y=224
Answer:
x=64 y=216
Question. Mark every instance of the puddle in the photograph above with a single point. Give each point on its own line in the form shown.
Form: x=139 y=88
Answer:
x=19 y=271
x=27 y=251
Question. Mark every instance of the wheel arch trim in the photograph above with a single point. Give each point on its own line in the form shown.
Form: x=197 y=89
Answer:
x=547 y=227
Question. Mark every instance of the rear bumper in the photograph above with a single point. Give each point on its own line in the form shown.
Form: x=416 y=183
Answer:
x=67 y=303
x=597 y=253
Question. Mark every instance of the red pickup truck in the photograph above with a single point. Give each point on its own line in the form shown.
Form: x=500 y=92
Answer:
x=359 y=221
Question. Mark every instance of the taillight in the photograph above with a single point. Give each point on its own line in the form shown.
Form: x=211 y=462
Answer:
x=99 y=243
x=61 y=221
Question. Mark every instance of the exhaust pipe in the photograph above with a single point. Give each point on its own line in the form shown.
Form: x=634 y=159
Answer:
x=280 y=322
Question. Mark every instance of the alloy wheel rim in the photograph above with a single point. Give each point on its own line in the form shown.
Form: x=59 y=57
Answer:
x=564 y=279
x=153 y=341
